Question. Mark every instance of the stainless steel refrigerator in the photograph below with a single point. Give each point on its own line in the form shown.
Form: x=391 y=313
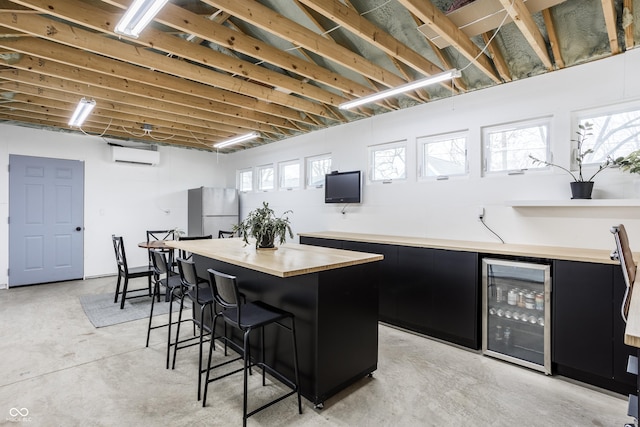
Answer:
x=211 y=210
x=516 y=312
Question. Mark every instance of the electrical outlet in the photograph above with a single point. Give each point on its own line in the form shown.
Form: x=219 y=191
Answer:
x=480 y=213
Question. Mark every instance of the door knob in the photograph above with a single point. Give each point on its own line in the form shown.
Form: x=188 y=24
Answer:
x=78 y=228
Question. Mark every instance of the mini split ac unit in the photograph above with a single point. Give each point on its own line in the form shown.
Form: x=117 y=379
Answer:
x=133 y=155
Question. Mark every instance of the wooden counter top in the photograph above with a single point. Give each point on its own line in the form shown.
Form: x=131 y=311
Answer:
x=550 y=252
x=290 y=259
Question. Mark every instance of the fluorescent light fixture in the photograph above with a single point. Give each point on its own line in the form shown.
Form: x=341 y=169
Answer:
x=237 y=140
x=437 y=78
x=138 y=16
x=82 y=112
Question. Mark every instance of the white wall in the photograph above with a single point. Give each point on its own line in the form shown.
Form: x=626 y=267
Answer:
x=129 y=199
x=447 y=209
x=122 y=199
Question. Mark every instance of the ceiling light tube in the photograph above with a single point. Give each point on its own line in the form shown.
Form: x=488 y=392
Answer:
x=437 y=78
x=82 y=112
x=138 y=16
x=237 y=140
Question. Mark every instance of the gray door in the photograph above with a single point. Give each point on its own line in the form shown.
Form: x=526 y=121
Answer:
x=46 y=220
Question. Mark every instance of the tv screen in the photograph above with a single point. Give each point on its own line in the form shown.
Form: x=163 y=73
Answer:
x=342 y=187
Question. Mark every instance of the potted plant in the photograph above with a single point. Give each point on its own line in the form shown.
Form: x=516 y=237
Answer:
x=263 y=225
x=581 y=188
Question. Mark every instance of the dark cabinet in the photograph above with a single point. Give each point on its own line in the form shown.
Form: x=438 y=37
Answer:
x=438 y=295
x=387 y=276
x=318 y=241
x=431 y=291
x=437 y=292
x=587 y=330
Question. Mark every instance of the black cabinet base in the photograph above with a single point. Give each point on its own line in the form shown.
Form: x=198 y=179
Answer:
x=594 y=380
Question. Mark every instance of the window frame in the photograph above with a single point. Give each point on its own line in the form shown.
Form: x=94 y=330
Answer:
x=309 y=169
x=589 y=115
x=486 y=131
x=372 y=149
x=258 y=177
x=423 y=141
x=239 y=173
x=281 y=175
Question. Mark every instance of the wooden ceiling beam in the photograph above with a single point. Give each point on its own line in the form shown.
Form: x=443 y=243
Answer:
x=41 y=120
x=428 y=13
x=609 y=10
x=496 y=56
x=224 y=102
x=527 y=26
x=553 y=38
x=351 y=20
x=100 y=20
x=41 y=83
x=627 y=24
x=183 y=20
x=262 y=17
x=73 y=69
x=52 y=99
x=63 y=33
x=106 y=123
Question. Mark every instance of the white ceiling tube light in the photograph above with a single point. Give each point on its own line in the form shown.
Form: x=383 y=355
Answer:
x=138 y=16
x=237 y=140
x=437 y=78
x=82 y=112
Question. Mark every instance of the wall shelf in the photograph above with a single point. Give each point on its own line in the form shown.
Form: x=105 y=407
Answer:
x=571 y=203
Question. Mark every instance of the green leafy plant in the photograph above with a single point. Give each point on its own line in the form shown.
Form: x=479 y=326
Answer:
x=629 y=163
x=263 y=225
x=583 y=132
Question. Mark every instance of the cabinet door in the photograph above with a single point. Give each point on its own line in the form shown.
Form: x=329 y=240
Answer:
x=582 y=322
x=413 y=289
x=387 y=276
x=455 y=300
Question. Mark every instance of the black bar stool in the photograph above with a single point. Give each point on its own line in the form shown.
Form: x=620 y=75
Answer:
x=199 y=295
x=173 y=288
x=246 y=317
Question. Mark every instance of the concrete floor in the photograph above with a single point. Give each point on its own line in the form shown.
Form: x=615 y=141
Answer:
x=65 y=372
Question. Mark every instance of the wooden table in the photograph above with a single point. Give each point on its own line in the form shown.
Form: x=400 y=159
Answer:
x=333 y=294
x=155 y=244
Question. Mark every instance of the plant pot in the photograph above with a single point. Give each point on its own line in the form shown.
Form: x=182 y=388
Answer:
x=267 y=242
x=581 y=189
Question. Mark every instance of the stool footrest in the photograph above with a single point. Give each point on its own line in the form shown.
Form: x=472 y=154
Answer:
x=632 y=365
x=632 y=408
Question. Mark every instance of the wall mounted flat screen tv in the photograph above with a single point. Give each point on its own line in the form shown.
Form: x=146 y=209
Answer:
x=342 y=187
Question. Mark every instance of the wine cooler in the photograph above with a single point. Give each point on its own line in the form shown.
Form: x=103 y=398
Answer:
x=516 y=311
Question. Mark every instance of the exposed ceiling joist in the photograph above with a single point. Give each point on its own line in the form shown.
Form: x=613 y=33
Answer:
x=205 y=70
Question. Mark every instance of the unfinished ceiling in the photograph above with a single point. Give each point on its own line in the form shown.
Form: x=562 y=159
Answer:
x=208 y=70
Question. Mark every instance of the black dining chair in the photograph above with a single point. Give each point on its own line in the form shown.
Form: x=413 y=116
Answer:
x=125 y=273
x=173 y=288
x=248 y=317
x=185 y=254
x=223 y=234
x=155 y=235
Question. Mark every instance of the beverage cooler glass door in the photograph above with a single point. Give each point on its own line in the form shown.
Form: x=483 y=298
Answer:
x=516 y=312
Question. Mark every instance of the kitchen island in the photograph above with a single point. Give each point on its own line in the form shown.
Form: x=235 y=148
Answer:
x=333 y=294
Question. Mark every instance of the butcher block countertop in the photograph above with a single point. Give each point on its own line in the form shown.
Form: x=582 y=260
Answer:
x=289 y=259
x=549 y=252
